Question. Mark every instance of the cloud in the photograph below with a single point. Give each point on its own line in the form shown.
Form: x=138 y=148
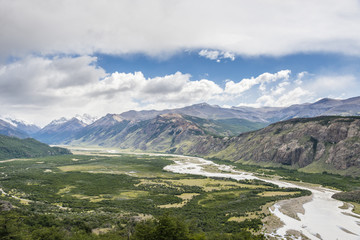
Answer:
x=167 y=84
x=247 y=83
x=36 y=80
x=332 y=83
x=216 y=55
x=282 y=98
x=212 y=55
x=162 y=27
x=308 y=88
x=53 y=87
x=41 y=89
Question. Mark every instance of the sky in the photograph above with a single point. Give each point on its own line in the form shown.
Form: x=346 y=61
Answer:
x=59 y=58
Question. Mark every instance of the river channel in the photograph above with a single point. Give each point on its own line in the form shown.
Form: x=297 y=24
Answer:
x=322 y=219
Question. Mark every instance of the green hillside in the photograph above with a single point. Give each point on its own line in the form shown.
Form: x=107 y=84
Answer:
x=226 y=127
x=11 y=147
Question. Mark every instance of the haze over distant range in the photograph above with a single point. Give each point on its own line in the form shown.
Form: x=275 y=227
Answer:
x=62 y=58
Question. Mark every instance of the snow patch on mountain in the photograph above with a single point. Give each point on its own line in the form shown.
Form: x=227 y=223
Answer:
x=16 y=122
x=59 y=121
x=86 y=118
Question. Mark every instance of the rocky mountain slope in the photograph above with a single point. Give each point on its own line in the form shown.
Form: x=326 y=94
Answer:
x=114 y=130
x=162 y=133
x=312 y=144
x=327 y=143
x=11 y=147
x=58 y=130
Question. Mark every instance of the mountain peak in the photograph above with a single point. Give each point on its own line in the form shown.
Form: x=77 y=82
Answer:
x=86 y=118
x=203 y=104
x=326 y=101
x=59 y=121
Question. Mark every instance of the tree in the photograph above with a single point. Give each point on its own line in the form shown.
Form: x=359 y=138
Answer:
x=165 y=228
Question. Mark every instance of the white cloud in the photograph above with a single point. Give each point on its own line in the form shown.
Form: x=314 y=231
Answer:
x=229 y=55
x=246 y=84
x=331 y=83
x=167 y=84
x=212 y=55
x=162 y=27
x=217 y=55
x=41 y=89
x=296 y=91
x=57 y=87
x=291 y=97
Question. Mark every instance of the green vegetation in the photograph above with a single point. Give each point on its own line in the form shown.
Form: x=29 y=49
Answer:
x=11 y=147
x=324 y=120
x=353 y=196
x=344 y=183
x=123 y=197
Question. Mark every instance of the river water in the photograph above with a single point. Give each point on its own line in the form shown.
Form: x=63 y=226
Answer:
x=323 y=219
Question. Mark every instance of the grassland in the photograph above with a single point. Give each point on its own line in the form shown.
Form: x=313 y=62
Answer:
x=98 y=195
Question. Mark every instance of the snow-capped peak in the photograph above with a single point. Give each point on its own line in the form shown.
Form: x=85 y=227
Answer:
x=8 y=120
x=86 y=118
x=16 y=122
x=59 y=121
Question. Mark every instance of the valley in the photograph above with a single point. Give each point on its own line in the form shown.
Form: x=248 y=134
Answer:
x=180 y=120
x=101 y=193
x=127 y=176
x=79 y=195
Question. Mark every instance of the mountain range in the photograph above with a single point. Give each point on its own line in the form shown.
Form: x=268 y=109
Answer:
x=288 y=136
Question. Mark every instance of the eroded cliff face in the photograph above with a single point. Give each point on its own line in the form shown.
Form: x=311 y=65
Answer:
x=331 y=141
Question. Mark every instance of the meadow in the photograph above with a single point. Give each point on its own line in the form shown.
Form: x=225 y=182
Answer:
x=102 y=196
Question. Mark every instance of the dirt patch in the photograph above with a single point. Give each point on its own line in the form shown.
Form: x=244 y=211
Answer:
x=5 y=206
x=98 y=231
x=298 y=235
x=276 y=193
x=291 y=207
x=186 y=197
x=271 y=224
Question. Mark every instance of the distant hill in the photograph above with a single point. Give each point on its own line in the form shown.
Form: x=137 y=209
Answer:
x=12 y=147
x=323 y=107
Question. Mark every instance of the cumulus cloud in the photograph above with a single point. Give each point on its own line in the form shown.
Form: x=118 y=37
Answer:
x=216 y=55
x=50 y=87
x=247 y=83
x=162 y=27
x=306 y=87
x=40 y=89
x=282 y=98
x=167 y=84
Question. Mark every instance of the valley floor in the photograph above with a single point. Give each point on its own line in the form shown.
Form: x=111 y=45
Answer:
x=100 y=194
